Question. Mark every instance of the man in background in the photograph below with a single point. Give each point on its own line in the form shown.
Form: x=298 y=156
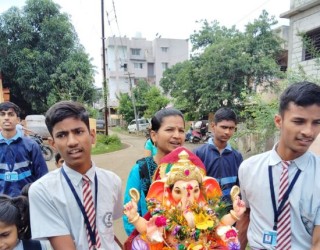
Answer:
x=21 y=160
x=220 y=159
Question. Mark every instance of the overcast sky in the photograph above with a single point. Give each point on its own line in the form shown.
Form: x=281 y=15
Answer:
x=168 y=18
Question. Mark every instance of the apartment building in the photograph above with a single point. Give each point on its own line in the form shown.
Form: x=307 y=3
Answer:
x=304 y=16
x=129 y=60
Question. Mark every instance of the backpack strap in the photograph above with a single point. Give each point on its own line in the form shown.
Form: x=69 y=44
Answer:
x=31 y=245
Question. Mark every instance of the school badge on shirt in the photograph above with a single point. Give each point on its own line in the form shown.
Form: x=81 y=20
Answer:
x=107 y=219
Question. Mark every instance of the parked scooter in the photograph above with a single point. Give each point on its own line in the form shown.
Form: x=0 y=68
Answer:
x=200 y=133
x=47 y=152
x=197 y=137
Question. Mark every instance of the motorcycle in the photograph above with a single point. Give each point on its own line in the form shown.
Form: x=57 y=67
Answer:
x=197 y=137
x=200 y=133
x=47 y=152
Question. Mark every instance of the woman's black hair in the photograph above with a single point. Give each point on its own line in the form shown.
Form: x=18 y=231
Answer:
x=15 y=211
x=157 y=119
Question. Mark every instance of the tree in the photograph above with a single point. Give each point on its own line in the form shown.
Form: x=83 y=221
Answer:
x=73 y=79
x=180 y=82
x=226 y=62
x=139 y=91
x=155 y=101
x=125 y=107
x=148 y=100
x=41 y=57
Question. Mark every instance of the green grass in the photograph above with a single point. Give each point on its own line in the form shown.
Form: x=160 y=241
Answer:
x=118 y=129
x=107 y=144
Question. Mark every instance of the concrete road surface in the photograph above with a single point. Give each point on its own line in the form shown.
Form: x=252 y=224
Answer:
x=121 y=162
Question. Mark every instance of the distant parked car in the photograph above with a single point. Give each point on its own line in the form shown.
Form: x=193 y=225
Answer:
x=36 y=123
x=143 y=125
x=100 y=126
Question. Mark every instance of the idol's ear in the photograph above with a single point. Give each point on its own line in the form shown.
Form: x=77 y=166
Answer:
x=156 y=191
x=211 y=187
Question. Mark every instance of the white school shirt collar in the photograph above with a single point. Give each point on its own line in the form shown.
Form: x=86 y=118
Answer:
x=76 y=177
x=299 y=162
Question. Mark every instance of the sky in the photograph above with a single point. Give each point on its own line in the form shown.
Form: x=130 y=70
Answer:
x=168 y=18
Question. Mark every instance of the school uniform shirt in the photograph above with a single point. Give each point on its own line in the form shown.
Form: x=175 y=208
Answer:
x=55 y=212
x=304 y=197
x=22 y=157
x=44 y=245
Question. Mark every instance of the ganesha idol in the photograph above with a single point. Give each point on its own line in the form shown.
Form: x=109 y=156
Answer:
x=185 y=209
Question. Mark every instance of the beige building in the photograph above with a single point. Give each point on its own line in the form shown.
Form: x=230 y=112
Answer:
x=304 y=16
x=129 y=60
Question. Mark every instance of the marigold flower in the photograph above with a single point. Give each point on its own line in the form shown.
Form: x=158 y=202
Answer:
x=203 y=221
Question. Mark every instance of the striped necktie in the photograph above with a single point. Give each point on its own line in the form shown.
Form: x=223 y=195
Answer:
x=90 y=211
x=284 y=224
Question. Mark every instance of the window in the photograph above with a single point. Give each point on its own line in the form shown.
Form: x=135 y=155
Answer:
x=138 y=65
x=135 y=52
x=164 y=49
x=311 y=41
x=165 y=66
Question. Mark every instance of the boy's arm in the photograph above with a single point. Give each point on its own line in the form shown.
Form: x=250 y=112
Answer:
x=242 y=227
x=118 y=205
x=316 y=238
x=243 y=224
x=63 y=242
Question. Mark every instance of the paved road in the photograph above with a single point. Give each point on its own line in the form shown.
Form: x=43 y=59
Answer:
x=121 y=162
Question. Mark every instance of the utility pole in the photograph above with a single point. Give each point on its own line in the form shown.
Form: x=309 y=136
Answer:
x=104 y=81
x=133 y=100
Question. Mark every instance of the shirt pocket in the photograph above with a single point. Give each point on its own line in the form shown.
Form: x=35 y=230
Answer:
x=307 y=219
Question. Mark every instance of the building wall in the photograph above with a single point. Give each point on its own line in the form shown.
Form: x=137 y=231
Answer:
x=304 y=16
x=177 y=51
x=122 y=64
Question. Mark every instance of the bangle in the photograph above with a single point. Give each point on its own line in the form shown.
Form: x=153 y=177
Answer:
x=233 y=215
x=135 y=218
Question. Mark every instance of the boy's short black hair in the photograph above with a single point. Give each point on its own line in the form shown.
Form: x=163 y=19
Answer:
x=225 y=114
x=66 y=109
x=302 y=94
x=5 y=106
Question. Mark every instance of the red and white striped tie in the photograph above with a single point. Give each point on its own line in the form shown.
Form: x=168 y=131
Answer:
x=284 y=226
x=90 y=211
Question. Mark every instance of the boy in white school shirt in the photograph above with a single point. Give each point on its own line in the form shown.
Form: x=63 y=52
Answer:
x=57 y=203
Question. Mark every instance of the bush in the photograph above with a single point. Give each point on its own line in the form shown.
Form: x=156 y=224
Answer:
x=106 y=143
x=108 y=139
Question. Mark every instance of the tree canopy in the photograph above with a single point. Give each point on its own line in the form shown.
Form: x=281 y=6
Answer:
x=148 y=100
x=225 y=63
x=41 y=58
